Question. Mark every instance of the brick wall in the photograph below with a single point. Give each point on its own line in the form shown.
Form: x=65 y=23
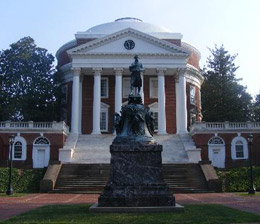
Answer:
x=201 y=141
x=56 y=142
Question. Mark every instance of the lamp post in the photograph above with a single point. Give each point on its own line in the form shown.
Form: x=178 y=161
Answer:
x=11 y=143
x=252 y=188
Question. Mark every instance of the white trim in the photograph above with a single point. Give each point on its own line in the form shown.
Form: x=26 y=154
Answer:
x=233 y=147
x=24 y=147
x=150 y=87
x=125 y=79
x=107 y=86
x=104 y=109
x=216 y=152
x=36 y=153
x=193 y=100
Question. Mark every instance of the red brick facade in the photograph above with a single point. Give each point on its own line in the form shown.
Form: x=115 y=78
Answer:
x=56 y=142
x=201 y=141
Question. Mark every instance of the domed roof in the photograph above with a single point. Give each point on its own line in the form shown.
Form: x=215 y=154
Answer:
x=124 y=23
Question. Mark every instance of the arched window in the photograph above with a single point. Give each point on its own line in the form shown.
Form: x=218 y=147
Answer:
x=239 y=148
x=216 y=141
x=19 y=148
x=41 y=141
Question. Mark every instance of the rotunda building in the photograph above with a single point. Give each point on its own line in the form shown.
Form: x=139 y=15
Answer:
x=95 y=68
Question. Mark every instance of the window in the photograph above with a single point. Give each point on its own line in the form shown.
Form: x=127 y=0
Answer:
x=18 y=150
x=104 y=117
x=64 y=90
x=239 y=148
x=104 y=87
x=153 y=88
x=126 y=87
x=154 y=108
x=192 y=94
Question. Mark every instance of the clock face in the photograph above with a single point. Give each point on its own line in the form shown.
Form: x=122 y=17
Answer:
x=129 y=44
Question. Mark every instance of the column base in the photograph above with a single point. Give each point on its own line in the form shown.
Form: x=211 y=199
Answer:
x=96 y=133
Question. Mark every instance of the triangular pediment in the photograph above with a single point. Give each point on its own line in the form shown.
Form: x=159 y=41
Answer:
x=140 y=43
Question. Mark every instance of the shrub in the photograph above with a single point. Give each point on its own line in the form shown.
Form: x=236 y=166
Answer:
x=27 y=181
x=238 y=179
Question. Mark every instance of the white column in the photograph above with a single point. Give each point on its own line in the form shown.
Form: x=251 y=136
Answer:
x=80 y=102
x=161 y=102
x=182 y=104
x=75 y=101
x=118 y=89
x=96 y=101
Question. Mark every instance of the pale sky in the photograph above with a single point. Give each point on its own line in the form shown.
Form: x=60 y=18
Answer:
x=203 y=23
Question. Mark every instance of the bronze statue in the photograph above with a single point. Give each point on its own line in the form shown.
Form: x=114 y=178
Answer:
x=136 y=81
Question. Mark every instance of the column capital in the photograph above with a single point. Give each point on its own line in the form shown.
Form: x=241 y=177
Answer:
x=97 y=71
x=76 y=71
x=161 y=71
x=118 y=71
x=181 y=71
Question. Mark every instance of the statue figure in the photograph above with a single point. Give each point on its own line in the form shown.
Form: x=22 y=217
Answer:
x=118 y=123
x=136 y=81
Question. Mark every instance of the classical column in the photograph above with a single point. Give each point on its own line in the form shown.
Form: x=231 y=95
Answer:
x=161 y=102
x=75 y=101
x=182 y=104
x=118 y=89
x=96 y=101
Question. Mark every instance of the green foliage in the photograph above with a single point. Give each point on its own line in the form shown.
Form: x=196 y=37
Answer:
x=221 y=93
x=256 y=108
x=29 y=88
x=195 y=214
x=237 y=179
x=22 y=180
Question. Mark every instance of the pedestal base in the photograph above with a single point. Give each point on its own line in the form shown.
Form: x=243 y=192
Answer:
x=175 y=209
x=136 y=177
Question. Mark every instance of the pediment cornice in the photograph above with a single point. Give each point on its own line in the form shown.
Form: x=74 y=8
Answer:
x=171 y=48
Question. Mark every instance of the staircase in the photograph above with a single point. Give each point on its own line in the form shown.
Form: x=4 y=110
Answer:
x=91 y=178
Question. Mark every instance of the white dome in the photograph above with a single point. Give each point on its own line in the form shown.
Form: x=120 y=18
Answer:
x=124 y=23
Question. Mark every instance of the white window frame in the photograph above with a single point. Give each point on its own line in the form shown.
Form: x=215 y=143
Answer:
x=233 y=148
x=154 y=108
x=126 y=91
x=106 y=93
x=151 y=90
x=192 y=97
x=104 y=109
x=24 y=147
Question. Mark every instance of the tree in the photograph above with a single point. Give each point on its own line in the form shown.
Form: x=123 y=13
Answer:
x=29 y=89
x=256 y=108
x=223 y=98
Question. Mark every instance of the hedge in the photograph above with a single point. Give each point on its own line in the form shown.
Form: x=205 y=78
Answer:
x=238 y=179
x=23 y=181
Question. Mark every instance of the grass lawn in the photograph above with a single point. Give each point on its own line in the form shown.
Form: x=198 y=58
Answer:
x=79 y=214
x=13 y=195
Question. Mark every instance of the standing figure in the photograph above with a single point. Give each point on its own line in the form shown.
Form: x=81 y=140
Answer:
x=136 y=81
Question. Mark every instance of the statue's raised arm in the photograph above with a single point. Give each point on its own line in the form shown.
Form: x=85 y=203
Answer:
x=136 y=81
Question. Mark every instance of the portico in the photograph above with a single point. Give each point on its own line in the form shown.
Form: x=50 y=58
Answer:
x=105 y=59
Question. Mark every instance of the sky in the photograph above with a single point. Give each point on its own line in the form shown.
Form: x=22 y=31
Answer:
x=203 y=23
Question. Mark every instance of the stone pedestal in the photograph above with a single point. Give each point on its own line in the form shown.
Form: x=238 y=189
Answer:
x=136 y=177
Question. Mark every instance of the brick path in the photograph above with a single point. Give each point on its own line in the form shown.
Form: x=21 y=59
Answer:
x=13 y=206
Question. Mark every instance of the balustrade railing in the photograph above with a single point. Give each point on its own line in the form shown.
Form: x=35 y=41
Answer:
x=224 y=126
x=51 y=126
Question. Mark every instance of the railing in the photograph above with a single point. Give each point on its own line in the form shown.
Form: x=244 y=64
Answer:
x=224 y=126
x=34 y=126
